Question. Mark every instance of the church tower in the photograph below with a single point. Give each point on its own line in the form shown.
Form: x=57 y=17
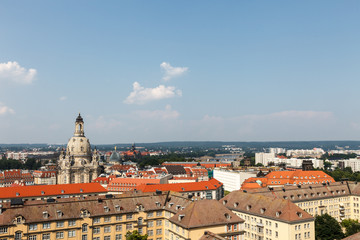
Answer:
x=78 y=163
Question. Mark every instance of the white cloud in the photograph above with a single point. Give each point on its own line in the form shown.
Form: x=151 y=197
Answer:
x=170 y=71
x=5 y=109
x=63 y=98
x=167 y=114
x=141 y=95
x=12 y=71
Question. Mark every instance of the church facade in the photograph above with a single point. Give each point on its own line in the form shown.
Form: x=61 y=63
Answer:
x=78 y=163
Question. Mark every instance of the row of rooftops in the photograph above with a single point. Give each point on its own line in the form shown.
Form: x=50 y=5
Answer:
x=188 y=213
x=302 y=193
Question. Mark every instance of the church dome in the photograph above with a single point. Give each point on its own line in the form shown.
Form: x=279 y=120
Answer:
x=115 y=157
x=79 y=146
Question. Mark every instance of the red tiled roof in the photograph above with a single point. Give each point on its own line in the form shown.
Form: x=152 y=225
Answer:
x=51 y=190
x=290 y=177
x=182 y=187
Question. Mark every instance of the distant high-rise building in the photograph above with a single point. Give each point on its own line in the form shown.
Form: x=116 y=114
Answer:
x=79 y=164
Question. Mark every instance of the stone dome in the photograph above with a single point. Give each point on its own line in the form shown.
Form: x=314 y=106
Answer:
x=115 y=157
x=79 y=146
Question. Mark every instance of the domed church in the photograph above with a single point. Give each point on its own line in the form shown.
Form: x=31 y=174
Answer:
x=78 y=164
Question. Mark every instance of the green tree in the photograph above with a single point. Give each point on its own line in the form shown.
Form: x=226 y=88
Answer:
x=327 y=228
x=135 y=235
x=351 y=226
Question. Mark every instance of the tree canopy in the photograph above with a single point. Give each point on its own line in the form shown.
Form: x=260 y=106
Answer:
x=327 y=228
x=135 y=235
x=351 y=226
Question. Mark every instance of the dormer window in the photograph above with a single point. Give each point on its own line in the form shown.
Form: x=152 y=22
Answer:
x=17 y=194
x=42 y=192
x=181 y=217
x=225 y=202
x=45 y=214
x=227 y=216
x=59 y=213
x=158 y=204
x=262 y=210
x=62 y=191
x=171 y=204
x=178 y=207
x=278 y=213
x=106 y=209
x=299 y=214
x=117 y=208
x=248 y=207
x=140 y=207
x=85 y=213
x=236 y=204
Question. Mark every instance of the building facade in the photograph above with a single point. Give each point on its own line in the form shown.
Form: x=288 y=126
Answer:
x=78 y=164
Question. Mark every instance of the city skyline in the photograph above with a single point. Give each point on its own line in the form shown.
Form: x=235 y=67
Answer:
x=179 y=71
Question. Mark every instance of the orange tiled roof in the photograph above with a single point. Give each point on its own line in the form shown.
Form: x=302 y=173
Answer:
x=182 y=187
x=51 y=190
x=290 y=177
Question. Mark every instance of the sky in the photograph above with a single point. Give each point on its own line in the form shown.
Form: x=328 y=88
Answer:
x=152 y=71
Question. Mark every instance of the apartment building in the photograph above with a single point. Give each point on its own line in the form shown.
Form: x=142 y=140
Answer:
x=110 y=217
x=193 y=221
x=340 y=199
x=231 y=179
x=264 y=158
x=270 y=218
x=45 y=177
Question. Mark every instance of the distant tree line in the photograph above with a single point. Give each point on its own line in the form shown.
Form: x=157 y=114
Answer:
x=338 y=156
x=347 y=173
x=30 y=164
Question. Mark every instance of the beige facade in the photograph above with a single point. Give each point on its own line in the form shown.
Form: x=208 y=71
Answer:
x=103 y=218
x=78 y=164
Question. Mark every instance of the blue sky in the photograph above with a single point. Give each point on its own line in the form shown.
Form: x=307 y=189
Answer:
x=148 y=71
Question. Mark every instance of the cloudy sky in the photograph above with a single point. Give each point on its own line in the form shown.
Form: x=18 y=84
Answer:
x=149 y=71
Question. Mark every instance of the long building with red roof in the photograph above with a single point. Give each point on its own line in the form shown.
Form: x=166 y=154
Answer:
x=51 y=191
x=281 y=178
x=212 y=189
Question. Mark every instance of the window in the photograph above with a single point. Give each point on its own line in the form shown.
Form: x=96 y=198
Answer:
x=84 y=237
x=71 y=223
x=71 y=233
x=118 y=237
x=59 y=235
x=84 y=228
x=128 y=226
x=32 y=227
x=60 y=224
x=150 y=214
x=46 y=236
x=107 y=238
x=107 y=219
x=107 y=229
x=96 y=230
x=32 y=237
x=158 y=222
x=97 y=220
x=118 y=218
x=118 y=228
x=96 y=238
x=159 y=213
x=3 y=230
x=150 y=232
x=46 y=225
x=129 y=216
x=150 y=223
x=158 y=231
